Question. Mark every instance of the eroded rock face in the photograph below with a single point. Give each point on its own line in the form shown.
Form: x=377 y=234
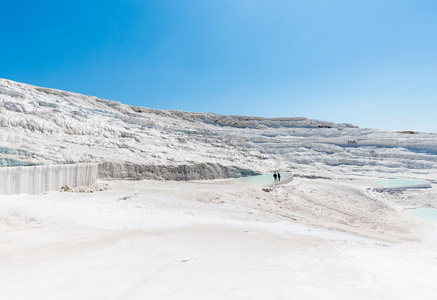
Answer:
x=117 y=170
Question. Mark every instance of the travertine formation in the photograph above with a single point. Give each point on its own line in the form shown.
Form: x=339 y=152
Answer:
x=46 y=126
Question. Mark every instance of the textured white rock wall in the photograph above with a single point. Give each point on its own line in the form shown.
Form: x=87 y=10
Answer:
x=38 y=179
x=117 y=170
x=41 y=126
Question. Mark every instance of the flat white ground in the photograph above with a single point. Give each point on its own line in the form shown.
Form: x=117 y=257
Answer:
x=221 y=239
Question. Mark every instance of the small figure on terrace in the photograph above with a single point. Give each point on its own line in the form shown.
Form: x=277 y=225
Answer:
x=275 y=177
x=279 y=176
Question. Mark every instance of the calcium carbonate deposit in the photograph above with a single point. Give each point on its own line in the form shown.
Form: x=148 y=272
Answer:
x=160 y=213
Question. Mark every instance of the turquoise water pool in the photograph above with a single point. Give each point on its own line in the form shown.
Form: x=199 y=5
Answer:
x=425 y=213
x=399 y=183
x=262 y=180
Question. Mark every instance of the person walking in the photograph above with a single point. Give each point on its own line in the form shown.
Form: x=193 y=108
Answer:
x=275 y=177
x=279 y=176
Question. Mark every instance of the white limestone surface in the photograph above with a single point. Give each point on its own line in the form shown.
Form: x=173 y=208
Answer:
x=217 y=239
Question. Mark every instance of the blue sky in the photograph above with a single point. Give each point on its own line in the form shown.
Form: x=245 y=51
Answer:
x=372 y=63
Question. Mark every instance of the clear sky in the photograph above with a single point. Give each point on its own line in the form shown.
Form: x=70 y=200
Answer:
x=372 y=63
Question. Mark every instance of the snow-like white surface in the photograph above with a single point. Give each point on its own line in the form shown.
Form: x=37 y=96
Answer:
x=214 y=240
x=330 y=233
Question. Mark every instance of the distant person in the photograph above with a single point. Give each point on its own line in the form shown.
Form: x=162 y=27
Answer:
x=279 y=176
x=275 y=177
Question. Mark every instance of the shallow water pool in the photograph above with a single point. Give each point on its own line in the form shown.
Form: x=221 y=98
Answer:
x=399 y=183
x=424 y=213
x=262 y=180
